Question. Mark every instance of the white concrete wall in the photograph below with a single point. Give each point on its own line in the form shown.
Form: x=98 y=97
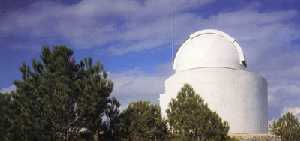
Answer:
x=238 y=96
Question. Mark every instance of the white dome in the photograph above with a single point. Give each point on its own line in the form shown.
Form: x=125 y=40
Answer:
x=209 y=49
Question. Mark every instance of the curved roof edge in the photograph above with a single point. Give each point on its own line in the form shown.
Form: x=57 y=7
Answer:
x=221 y=33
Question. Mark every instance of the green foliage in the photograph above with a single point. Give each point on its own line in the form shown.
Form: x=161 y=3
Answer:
x=5 y=124
x=191 y=119
x=57 y=98
x=10 y=121
x=142 y=121
x=287 y=127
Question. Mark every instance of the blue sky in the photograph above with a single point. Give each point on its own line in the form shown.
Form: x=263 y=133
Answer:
x=134 y=39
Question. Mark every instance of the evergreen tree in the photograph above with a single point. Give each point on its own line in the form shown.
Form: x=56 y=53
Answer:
x=4 y=119
x=9 y=119
x=58 y=99
x=287 y=127
x=142 y=121
x=191 y=119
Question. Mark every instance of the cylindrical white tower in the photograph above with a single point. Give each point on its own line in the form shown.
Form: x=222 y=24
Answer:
x=213 y=63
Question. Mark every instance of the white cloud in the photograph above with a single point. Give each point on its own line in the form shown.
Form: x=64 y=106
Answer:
x=91 y=23
x=8 y=89
x=136 y=85
x=140 y=25
x=291 y=89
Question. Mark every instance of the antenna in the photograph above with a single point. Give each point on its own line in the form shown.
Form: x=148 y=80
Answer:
x=172 y=31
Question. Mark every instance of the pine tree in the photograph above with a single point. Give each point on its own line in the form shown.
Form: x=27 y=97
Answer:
x=58 y=99
x=191 y=119
x=4 y=119
x=287 y=127
x=142 y=121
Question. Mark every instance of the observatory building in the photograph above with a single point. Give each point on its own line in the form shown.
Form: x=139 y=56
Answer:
x=213 y=63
